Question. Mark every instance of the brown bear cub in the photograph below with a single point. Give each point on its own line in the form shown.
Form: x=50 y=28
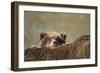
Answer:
x=52 y=39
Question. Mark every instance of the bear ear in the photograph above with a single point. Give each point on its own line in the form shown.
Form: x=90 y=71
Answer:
x=42 y=35
x=63 y=35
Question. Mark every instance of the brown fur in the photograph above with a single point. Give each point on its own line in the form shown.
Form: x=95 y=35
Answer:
x=78 y=49
x=46 y=38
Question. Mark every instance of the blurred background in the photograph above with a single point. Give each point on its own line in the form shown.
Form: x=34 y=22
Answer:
x=73 y=24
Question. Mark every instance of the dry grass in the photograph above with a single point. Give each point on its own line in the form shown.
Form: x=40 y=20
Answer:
x=78 y=49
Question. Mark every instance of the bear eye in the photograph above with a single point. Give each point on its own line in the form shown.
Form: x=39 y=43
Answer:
x=58 y=39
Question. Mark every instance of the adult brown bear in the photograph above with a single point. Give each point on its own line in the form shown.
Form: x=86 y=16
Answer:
x=78 y=49
x=52 y=39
